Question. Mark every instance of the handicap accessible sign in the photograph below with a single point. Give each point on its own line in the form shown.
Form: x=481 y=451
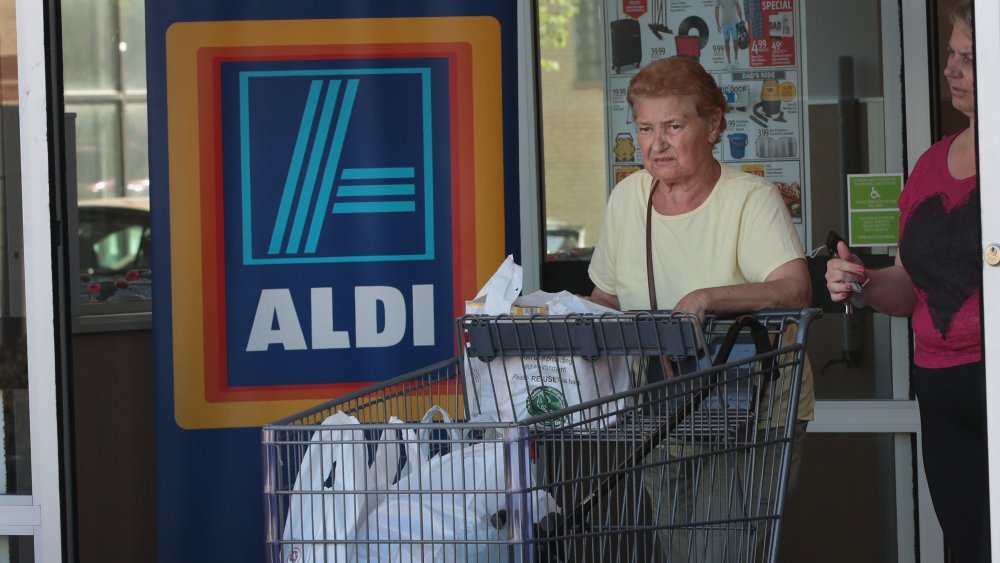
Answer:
x=873 y=207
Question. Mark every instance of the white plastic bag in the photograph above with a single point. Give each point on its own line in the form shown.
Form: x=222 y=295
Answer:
x=313 y=514
x=330 y=514
x=413 y=520
x=563 y=303
x=502 y=288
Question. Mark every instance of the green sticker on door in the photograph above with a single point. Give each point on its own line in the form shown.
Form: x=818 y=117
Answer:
x=873 y=207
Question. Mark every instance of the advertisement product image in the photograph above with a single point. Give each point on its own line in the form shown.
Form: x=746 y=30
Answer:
x=749 y=47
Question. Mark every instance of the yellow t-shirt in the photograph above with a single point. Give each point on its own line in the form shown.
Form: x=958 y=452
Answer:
x=740 y=234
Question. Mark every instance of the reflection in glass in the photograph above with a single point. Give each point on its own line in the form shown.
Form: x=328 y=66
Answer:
x=15 y=469
x=90 y=44
x=114 y=247
x=17 y=549
x=133 y=45
x=572 y=113
x=97 y=155
x=136 y=150
x=105 y=87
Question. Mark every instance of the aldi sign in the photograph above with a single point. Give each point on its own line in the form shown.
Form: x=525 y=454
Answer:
x=331 y=190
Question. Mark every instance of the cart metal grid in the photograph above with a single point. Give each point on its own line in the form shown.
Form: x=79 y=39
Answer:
x=691 y=468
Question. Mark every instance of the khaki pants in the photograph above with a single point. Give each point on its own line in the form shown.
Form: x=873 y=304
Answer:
x=718 y=507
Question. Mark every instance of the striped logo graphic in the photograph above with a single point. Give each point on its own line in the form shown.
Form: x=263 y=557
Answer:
x=330 y=192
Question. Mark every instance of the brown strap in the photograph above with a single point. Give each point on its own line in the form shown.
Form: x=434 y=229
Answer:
x=649 y=247
x=668 y=368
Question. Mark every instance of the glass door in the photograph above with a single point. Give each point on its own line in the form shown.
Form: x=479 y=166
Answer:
x=861 y=462
x=860 y=445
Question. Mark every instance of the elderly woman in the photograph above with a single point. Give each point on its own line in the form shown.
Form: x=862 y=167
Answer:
x=690 y=234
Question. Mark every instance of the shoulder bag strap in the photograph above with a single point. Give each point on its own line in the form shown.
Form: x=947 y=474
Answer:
x=649 y=247
x=668 y=368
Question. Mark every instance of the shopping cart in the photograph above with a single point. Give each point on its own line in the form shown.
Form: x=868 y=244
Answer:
x=693 y=467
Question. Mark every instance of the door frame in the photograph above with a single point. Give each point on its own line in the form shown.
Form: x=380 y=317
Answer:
x=987 y=15
x=38 y=514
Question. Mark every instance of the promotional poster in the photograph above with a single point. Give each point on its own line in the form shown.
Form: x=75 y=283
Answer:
x=749 y=47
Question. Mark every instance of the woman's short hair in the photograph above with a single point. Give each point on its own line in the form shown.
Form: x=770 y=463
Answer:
x=679 y=76
x=961 y=16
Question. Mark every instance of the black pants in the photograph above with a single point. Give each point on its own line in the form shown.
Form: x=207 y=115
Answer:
x=953 y=428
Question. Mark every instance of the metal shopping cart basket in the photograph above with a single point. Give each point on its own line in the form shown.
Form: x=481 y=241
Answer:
x=599 y=462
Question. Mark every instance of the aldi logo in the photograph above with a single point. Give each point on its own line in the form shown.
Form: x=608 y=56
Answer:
x=336 y=193
x=335 y=184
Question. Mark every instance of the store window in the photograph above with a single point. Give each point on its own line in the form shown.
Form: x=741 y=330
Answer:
x=572 y=124
x=105 y=95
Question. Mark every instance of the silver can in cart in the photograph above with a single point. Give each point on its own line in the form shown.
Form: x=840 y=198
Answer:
x=626 y=437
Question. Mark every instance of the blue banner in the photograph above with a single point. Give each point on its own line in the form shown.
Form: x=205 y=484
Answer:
x=329 y=183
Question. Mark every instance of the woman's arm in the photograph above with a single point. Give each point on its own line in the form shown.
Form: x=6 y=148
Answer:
x=890 y=290
x=788 y=286
x=604 y=298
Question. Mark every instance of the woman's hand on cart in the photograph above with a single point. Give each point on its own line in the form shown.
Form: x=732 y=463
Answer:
x=695 y=303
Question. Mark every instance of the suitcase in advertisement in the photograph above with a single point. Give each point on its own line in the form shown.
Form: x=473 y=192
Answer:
x=626 y=45
x=688 y=46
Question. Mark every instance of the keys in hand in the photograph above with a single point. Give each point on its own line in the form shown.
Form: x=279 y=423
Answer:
x=832 y=240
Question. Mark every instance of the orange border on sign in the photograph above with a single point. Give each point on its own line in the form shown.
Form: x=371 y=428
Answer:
x=195 y=183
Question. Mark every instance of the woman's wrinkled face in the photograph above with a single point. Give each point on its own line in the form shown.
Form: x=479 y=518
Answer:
x=674 y=140
x=959 y=71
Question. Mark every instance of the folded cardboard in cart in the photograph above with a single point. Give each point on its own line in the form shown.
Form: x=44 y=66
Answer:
x=514 y=388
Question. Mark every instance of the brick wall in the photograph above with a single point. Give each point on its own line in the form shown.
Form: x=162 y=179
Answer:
x=573 y=140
